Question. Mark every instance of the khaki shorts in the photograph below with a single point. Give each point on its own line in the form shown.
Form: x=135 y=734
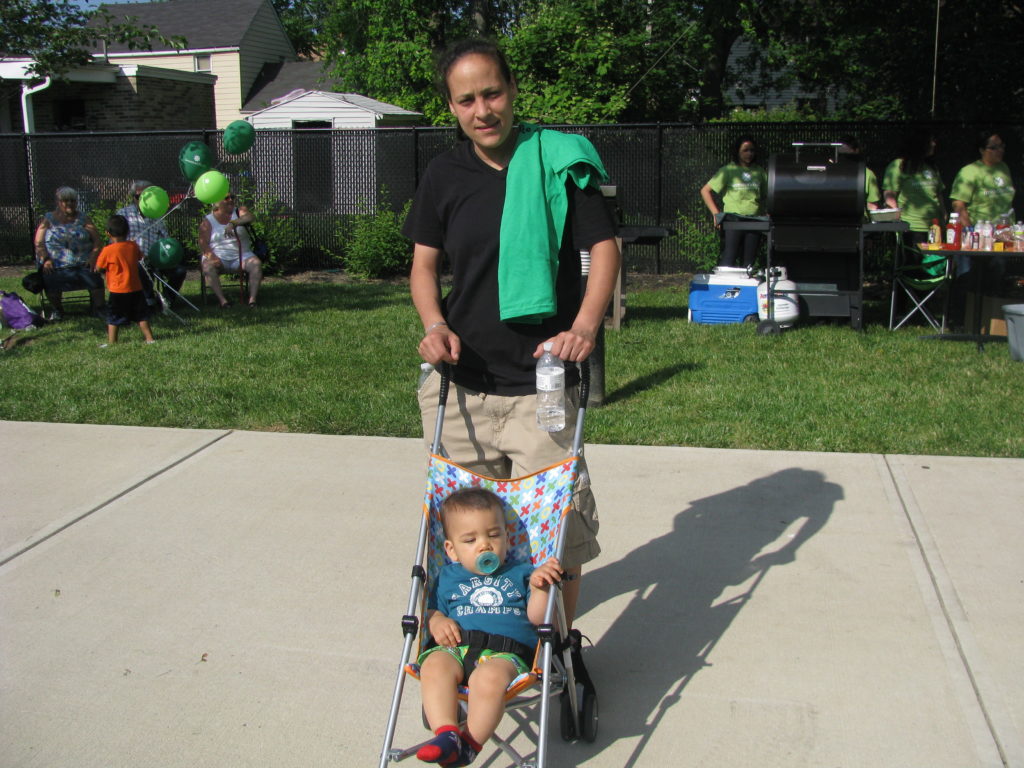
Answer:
x=497 y=436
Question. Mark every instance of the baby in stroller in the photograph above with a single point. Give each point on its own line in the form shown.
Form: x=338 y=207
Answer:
x=482 y=614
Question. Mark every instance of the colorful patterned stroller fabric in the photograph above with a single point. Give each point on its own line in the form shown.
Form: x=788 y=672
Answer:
x=535 y=506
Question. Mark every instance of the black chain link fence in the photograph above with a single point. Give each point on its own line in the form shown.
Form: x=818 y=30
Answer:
x=320 y=179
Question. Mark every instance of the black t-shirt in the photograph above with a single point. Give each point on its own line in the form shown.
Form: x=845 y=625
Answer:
x=458 y=209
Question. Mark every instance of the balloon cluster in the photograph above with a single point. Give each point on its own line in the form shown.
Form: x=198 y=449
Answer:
x=196 y=162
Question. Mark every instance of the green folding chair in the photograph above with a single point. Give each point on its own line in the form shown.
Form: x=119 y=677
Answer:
x=923 y=278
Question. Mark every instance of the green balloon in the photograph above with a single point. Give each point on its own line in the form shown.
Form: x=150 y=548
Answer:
x=153 y=202
x=239 y=137
x=195 y=159
x=212 y=187
x=166 y=253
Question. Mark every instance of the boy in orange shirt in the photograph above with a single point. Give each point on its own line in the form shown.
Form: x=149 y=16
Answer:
x=120 y=260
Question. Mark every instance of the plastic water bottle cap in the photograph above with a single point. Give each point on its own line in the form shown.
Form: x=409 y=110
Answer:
x=488 y=562
x=547 y=346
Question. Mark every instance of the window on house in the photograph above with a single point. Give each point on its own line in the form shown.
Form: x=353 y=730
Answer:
x=69 y=115
x=202 y=62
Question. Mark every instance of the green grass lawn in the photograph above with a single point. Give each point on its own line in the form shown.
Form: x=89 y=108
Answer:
x=340 y=358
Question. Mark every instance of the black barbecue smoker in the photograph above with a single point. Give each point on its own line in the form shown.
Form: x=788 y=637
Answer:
x=816 y=205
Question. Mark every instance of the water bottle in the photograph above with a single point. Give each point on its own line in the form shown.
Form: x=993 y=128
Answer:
x=986 y=230
x=425 y=370
x=550 y=392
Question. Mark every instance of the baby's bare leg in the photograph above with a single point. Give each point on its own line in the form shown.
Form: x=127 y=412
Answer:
x=440 y=675
x=487 y=686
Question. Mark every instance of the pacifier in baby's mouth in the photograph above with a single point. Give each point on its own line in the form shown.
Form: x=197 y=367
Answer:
x=487 y=562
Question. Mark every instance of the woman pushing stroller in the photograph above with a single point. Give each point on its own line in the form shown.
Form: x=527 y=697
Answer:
x=486 y=204
x=510 y=206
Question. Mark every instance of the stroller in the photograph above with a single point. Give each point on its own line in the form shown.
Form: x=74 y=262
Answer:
x=535 y=508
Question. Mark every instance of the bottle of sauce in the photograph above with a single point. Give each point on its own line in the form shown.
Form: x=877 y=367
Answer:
x=953 y=231
x=935 y=233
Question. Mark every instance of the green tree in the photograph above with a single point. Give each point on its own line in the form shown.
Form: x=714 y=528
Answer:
x=634 y=60
x=879 y=63
x=386 y=48
x=571 y=64
x=58 y=34
x=303 y=21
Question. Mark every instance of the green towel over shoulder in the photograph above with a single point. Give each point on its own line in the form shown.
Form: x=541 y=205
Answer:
x=534 y=216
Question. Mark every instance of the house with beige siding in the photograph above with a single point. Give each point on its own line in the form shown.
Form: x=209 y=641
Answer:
x=233 y=40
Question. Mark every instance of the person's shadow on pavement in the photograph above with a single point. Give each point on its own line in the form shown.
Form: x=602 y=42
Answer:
x=676 y=612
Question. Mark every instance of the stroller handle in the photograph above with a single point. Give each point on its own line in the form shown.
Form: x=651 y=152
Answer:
x=446 y=377
x=446 y=371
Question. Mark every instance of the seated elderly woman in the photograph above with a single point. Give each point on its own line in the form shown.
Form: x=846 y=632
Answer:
x=226 y=246
x=66 y=245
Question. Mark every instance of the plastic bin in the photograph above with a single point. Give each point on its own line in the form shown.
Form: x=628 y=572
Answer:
x=1014 y=314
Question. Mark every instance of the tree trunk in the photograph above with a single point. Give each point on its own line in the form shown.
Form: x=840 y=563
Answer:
x=712 y=101
x=479 y=17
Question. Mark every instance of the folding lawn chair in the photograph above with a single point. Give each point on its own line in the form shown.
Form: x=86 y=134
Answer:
x=535 y=509
x=920 y=276
x=68 y=296
x=237 y=274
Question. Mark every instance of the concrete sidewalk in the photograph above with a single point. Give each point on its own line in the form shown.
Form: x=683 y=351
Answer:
x=213 y=598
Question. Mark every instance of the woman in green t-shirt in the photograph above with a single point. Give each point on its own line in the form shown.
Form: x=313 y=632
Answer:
x=740 y=187
x=983 y=190
x=912 y=183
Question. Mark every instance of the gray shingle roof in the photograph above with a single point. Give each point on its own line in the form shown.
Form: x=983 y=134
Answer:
x=280 y=79
x=372 y=105
x=204 y=24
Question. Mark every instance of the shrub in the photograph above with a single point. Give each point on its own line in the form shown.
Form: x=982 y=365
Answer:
x=376 y=246
x=100 y=212
x=274 y=225
x=700 y=245
x=788 y=113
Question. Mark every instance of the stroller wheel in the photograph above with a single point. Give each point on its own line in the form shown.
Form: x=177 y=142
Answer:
x=589 y=716
x=566 y=719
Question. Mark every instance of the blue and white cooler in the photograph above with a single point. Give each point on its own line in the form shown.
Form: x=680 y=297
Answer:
x=725 y=295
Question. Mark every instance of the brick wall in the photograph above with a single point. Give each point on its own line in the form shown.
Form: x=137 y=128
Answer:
x=128 y=104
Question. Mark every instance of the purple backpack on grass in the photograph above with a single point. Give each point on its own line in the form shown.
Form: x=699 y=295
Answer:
x=16 y=313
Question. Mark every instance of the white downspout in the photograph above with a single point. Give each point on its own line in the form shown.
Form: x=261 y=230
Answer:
x=27 y=115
